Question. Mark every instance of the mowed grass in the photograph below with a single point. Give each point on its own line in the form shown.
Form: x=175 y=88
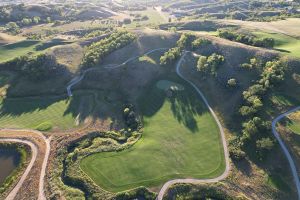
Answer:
x=180 y=140
x=10 y=51
x=34 y=113
x=284 y=43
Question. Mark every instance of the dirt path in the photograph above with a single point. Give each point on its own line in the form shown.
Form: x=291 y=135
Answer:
x=226 y=154
x=77 y=79
x=285 y=150
x=36 y=151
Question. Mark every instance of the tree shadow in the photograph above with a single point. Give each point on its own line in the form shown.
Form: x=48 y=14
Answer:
x=282 y=50
x=185 y=106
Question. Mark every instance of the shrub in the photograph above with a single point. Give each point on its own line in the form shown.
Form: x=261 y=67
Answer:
x=232 y=83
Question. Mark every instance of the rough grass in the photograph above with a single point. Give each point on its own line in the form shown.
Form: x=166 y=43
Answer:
x=180 y=139
x=294 y=123
x=43 y=113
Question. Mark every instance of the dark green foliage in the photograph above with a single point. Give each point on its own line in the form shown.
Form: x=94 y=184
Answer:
x=185 y=41
x=139 y=193
x=12 y=28
x=130 y=117
x=235 y=149
x=35 y=67
x=98 y=50
x=210 y=64
x=170 y=56
x=200 y=43
x=189 y=191
x=246 y=39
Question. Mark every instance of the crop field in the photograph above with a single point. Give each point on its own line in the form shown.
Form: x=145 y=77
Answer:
x=180 y=139
x=41 y=111
x=284 y=43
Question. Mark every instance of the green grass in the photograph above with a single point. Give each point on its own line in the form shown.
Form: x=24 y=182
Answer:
x=180 y=139
x=154 y=18
x=284 y=43
x=10 y=51
x=40 y=113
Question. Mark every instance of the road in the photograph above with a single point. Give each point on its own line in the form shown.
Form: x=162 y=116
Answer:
x=226 y=154
x=34 y=150
x=285 y=150
x=77 y=79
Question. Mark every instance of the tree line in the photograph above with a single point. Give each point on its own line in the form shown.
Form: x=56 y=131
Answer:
x=255 y=124
x=95 y=53
x=246 y=39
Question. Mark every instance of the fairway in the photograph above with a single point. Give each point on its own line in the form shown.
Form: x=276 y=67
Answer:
x=283 y=43
x=10 y=51
x=180 y=140
x=32 y=112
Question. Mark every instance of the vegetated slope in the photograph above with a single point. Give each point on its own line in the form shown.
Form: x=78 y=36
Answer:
x=227 y=101
x=180 y=139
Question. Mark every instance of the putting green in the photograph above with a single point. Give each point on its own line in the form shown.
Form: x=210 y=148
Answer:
x=180 y=140
x=165 y=85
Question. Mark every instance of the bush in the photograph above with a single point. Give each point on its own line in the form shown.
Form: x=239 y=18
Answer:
x=98 y=50
x=210 y=64
x=232 y=83
x=170 y=56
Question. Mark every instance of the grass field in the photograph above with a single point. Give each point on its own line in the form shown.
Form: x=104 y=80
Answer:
x=36 y=112
x=286 y=44
x=180 y=139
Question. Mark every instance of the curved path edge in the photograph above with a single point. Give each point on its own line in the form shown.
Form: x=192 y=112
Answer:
x=34 y=152
x=77 y=79
x=225 y=148
x=285 y=149
x=34 y=149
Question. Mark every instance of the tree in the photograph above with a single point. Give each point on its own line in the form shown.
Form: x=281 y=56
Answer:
x=26 y=21
x=36 y=19
x=12 y=27
x=127 y=21
x=232 y=82
x=202 y=65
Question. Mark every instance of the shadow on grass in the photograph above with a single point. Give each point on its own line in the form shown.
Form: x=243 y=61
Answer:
x=282 y=50
x=185 y=105
x=21 y=44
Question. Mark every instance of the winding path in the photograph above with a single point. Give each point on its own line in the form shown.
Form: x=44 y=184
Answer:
x=226 y=154
x=77 y=79
x=285 y=150
x=34 y=150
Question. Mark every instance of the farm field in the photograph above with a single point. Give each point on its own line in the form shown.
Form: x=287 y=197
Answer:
x=56 y=112
x=180 y=139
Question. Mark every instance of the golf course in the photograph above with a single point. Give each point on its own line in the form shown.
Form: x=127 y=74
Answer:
x=180 y=139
